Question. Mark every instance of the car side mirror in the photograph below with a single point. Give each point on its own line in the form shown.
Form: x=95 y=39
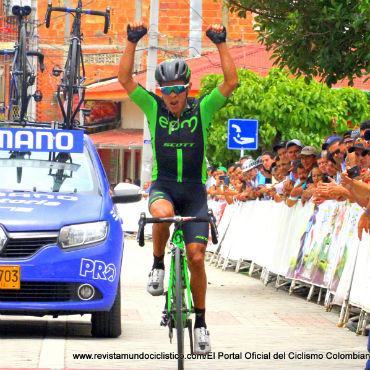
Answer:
x=126 y=193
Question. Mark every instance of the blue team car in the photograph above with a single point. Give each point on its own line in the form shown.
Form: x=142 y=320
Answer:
x=61 y=238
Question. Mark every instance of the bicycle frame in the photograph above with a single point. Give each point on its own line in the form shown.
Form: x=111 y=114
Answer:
x=177 y=241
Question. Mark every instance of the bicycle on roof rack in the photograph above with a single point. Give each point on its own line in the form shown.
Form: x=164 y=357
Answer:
x=73 y=77
x=23 y=75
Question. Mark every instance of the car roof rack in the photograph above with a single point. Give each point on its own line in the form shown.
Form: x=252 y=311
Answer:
x=29 y=124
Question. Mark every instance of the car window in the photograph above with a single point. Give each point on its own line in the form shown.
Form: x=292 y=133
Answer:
x=47 y=172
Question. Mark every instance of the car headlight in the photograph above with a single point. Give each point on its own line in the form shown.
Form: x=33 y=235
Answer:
x=3 y=238
x=83 y=234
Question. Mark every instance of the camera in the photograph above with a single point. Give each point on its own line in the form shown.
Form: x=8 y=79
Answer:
x=354 y=172
x=225 y=179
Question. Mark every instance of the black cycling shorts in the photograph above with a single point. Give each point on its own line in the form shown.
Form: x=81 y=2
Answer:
x=187 y=199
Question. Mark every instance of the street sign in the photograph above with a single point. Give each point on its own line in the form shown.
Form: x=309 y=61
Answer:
x=242 y=134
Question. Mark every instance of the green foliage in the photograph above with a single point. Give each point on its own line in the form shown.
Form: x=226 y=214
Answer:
x=286 y=108
x=327 y=38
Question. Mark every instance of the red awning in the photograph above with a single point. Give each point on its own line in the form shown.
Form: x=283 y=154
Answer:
x=118 y=139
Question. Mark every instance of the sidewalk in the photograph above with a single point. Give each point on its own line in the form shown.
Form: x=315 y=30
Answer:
x=245 y=319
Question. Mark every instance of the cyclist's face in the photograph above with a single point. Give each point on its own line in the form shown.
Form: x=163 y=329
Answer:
x=176 y=103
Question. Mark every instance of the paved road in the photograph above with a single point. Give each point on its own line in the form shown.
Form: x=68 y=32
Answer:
x=244 y=317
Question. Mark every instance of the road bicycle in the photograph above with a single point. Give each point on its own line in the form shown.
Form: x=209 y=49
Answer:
x=71 y=85
x=178 y=306
x=22 y=73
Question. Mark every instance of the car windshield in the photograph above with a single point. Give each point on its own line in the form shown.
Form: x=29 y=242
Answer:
x=47 y=172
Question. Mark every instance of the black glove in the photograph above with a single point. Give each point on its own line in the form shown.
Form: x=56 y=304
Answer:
x=216 y=37
x=135 y=35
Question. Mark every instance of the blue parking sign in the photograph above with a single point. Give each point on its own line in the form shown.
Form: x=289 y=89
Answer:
x=242 y=134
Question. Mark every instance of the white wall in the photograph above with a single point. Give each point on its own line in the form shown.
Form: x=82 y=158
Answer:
x=132 y=115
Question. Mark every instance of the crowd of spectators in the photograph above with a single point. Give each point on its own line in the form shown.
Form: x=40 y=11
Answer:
x=292 y=171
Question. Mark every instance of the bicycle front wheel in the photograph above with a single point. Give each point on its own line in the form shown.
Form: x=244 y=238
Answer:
x=179 y=308
x=18 y=86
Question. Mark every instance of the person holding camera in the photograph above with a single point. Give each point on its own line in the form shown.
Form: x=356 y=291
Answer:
x=179 y=127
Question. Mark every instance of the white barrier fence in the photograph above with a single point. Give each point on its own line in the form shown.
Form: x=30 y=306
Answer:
x=314 y=246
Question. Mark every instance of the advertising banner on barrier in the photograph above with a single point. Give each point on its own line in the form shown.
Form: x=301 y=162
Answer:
x=346 y=257
x=314 y=244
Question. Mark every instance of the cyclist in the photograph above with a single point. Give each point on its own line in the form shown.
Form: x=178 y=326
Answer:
x=179 y=126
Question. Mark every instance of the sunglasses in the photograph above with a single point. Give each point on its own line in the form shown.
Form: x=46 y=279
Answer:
x=336 y=152
x=177 y=89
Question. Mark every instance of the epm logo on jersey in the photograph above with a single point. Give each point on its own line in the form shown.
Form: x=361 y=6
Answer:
x=190 y=123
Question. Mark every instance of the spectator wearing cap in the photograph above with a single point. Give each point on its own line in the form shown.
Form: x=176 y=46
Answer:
x=261 y=178
x=362 y=160
x=348 y=139
x=215 y=191
x=294 y=148
x=251 y=181
x=250 y=171
x=221 y=171
x=280 y=149
x=309 y=158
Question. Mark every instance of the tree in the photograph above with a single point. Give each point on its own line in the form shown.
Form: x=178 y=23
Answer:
x=326 y=38
x=286 y=108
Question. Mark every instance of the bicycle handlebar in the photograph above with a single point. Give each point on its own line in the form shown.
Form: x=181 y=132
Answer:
x=7 y=52
x=37 y=54
x=178 y=220
x=52 y=8
x=40 y=57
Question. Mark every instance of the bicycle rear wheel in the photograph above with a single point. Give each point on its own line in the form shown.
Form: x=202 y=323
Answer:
x=179 y=308
x=71 y=81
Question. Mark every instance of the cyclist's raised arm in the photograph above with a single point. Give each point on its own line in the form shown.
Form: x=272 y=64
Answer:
x=217 y=34
x=135 y=31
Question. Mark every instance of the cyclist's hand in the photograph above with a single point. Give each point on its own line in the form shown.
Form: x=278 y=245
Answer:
x=135 y=31
x=216 y=33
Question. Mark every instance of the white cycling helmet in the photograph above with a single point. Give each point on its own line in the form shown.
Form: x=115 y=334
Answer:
x=258 y=161
x=248 y=165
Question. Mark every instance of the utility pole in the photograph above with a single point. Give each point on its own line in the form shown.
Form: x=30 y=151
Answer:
x=138 y=17
x=147 y=160
x=195 y=25
x=33 y=45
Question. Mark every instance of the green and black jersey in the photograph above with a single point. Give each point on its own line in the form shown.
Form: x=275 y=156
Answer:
x=179 y=144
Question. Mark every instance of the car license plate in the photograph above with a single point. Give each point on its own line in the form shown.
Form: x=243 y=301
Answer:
x=10 y=277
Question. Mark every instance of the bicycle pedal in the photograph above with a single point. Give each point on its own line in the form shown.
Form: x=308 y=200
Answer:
x=165 y=319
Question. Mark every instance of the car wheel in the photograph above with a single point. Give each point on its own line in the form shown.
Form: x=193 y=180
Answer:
x=107 y=324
